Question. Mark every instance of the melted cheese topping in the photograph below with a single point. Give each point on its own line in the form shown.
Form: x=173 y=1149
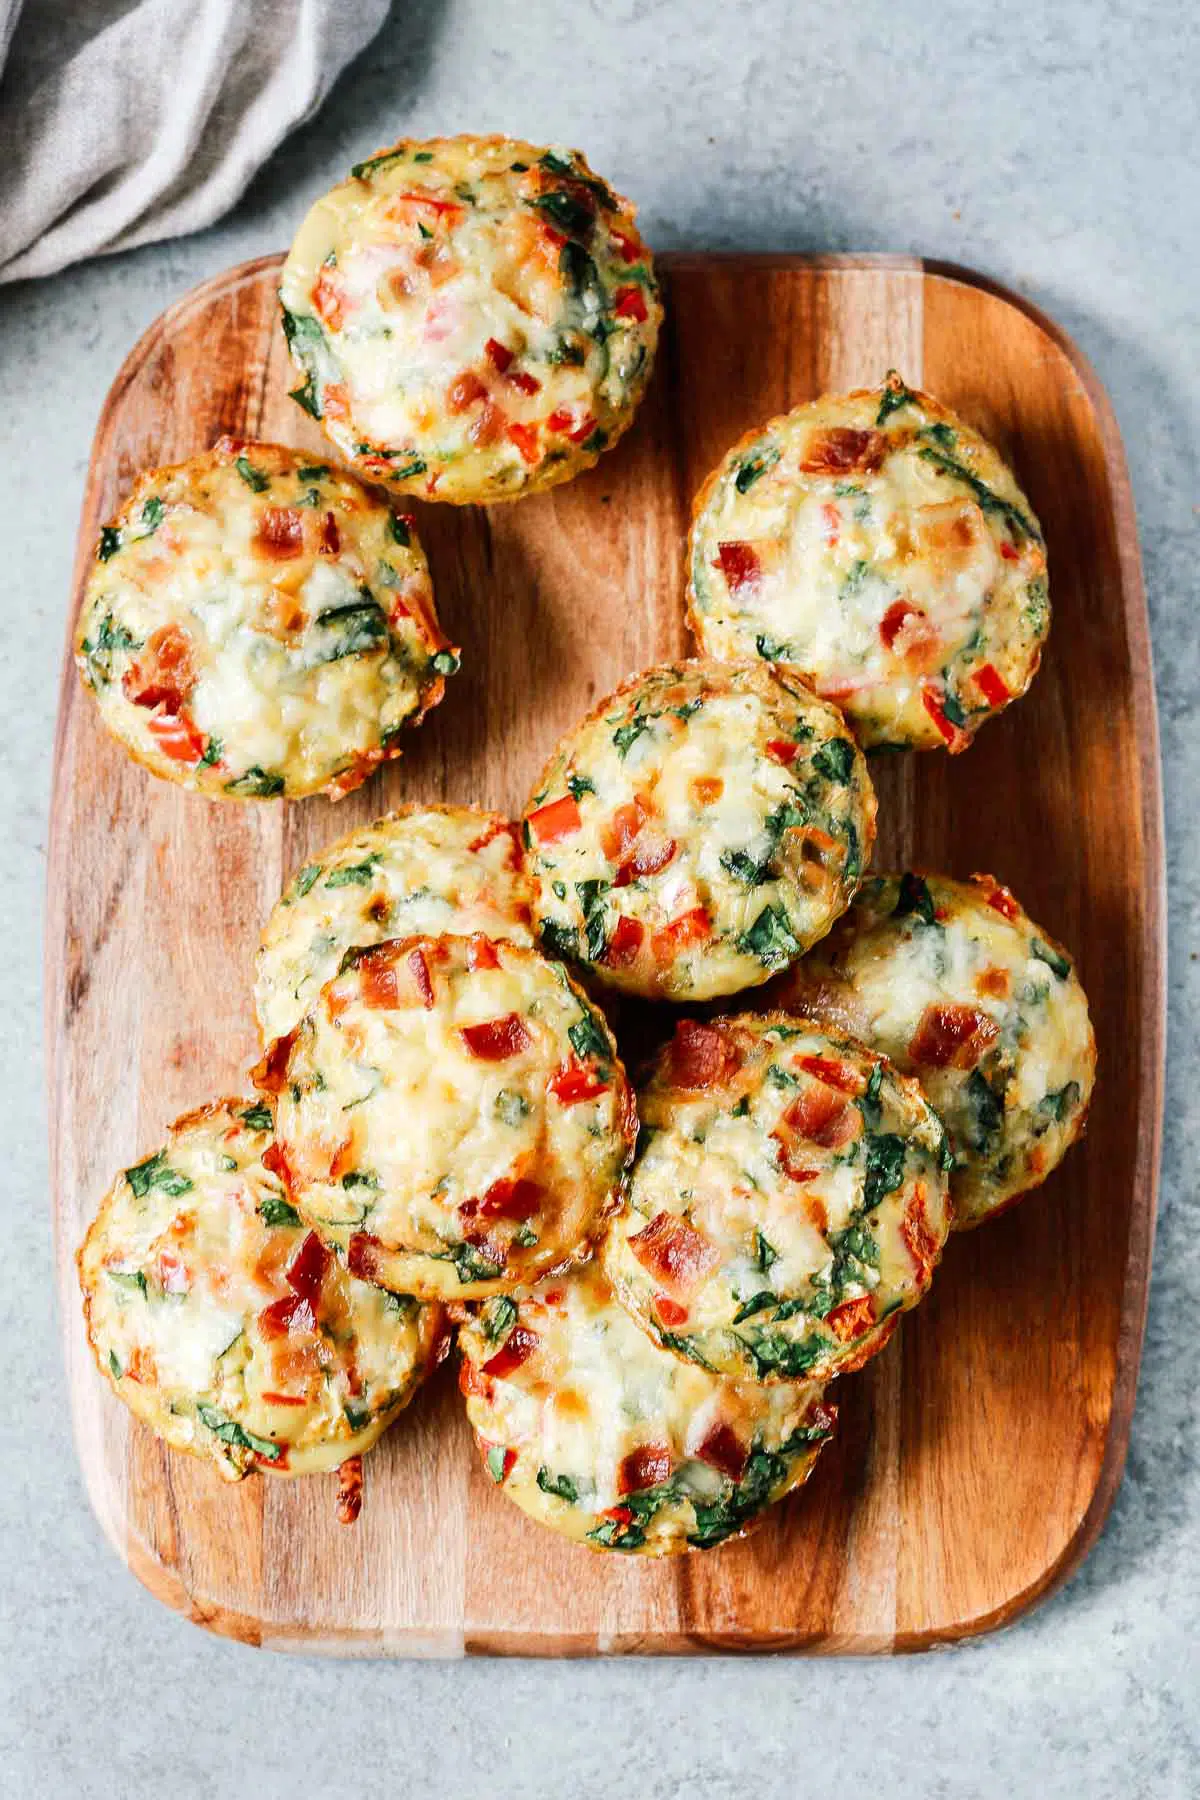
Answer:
x=598 y=1434
x=454 y=1116
x=258 y=623
x=699 y=830
x=882 y=546
x=789 y=1200
x=475 y=318
x=421 y=871
x=959 y=987
x=226 y=1326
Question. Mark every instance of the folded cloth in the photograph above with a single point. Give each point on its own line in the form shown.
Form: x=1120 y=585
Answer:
x=125 y=121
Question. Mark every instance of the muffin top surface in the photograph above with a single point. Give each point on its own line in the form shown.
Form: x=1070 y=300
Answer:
x=419 y=871
x=699 y=830
x=957 y=985
x=260 y=623
x=788 y=1201
x=882 y=546
x=453 y=1116
x=224 y=1322
x=474 y=318
x=596 y=1432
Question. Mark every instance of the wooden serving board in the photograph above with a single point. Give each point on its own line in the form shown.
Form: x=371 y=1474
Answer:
x=976 y=1459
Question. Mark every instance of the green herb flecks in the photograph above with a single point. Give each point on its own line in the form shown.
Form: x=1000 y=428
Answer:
x=835 y=760
x=1054 y=959
x=254 y=479
x=579 y=785
x=984 y=1110
x=128 y=1278
x=914 y=898
x=770 y=939
x=868 y=1101
x=747 y=869
x=884 y=1168
x=753 y=468
x=1061 y=1103
x=230 y=1432
x=256 y=784
x=258 y=1117
x=559 y=940
x=894 y=396
x=587 y=1039
x=625 y=736
x=1019 y=523
x=352 y=630
x=765 y=1253
x=498 y=1318
x=564 y=1487
x=472 y=1265
x=110 y=543
x=157 y=1173
x=511 y=1108
x=109 y=638
x=273 y=1210
x=354 y=874
x=306 y=879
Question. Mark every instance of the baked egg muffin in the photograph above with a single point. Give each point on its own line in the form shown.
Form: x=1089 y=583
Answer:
x=474 y=318
x=699 y=830
x=422 y=870
x=259 y=623
x=226 y=1324
x=788 y=1202
x=882 y=546
x=452 y=1116
x=958 y=986
x=597 y=1433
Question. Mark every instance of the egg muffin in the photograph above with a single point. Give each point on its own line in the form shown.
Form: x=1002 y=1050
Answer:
x=597 y=1433
x=421 y=870
x=953 y=982
x=473 y=318
x=226 y=1325
x=258 y=623
x=881 y=545
x=788 y=1202
x=698 y=831
x=452 y=1116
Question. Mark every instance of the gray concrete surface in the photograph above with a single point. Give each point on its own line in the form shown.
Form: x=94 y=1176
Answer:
x=1055 y=147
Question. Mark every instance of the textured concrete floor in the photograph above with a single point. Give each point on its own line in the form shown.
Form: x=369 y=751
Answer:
x=1056 y=149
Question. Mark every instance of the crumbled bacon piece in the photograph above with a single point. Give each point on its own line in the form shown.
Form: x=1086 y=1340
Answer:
x=723 y=1449
x=951 y=1037
x=701 y=1055
x=919 y=1240
x=516 y=1349
x=281 y=532
x=623 y=946
x=843 y=451
x=644 y=1467
x=163 y=674
x=851 y=1318
x=740 y=564
x=674 y=1252
x=495 y=1040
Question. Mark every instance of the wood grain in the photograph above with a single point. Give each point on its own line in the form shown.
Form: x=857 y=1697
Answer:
x=977 y=1458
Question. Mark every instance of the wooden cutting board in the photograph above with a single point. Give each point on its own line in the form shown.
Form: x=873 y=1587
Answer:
x=976 y=1459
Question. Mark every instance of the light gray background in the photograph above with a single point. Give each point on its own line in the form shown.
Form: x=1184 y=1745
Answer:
x=1053 y=146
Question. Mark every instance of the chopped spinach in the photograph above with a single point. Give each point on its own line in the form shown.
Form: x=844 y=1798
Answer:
x=774 y=1354
x=348 y=630
x=752 y=468
x=746 y=868
x=770 y=939
x=152 y=515
x=766 y=1297
x=128 y=1278
x=399 y=530
x=256 y=784
x=110 y=637
x=1061 y=1103
x=563 y=1486
x=1054 y=960
x=498 y=1318
x=559 y=940
x=407 y=471
x=258 y=1117
x=868 y=1101
x=156 y=1172
x=587 y=1039
x=771 y=649
x=110 y=542
x=230 y=1432
x=114 y=1363
x=578 y=785
x=306 y=878
x=354 y=874
x=765 y=1252
x=835 y=759
x=985 y=1113
x=276 y=1211
x=894 y=396
x=914 y=897
x=445 y=662
x=884 y=1167
x=254 y=478
x=1019 y=523
x=471 y=1265
x=627 y=735
x=497 y=1456
x=511 y=1107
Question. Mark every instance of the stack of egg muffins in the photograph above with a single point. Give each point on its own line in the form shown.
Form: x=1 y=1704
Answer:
x=653 y=1289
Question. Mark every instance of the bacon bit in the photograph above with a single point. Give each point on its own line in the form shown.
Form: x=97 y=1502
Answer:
x=556 y=820
x=307 y=1270
x=991 y=684
x=280 y=532
x=274 y=1399
x=620 y=834
x=350 y=1490
x=331 y=539
x=919 y=1240
x=499 y=828
x=292 y=1315
x=364 y=1256
x=464 y=391
x=274 y=1160
x=1009 y=552
x=851 y=1318
x=163 y=674
x=141 y=1366
x=495 y=1040
x=723 y=1449
x=647 y=859
x=517 y=1199
x=820 y=1115
x=626 y=941
x=781 y=751
x=842 y=451
x=994 y=981
x=630 y=303
x=951 y=1037
x=377 y=979
x=329 y=302
x=472 y=1380
x=574 y=1082
x=740 y=564
x=670 y=1313
x=524 y=382
x=525 y=437
x=956 y=738
x=674 y=1252
x=643 y=1468
x=690 y=928
x=833 y=1074
x=481 y=954
x=629 y=247
x=1002 y=899
x=701 y=1055
x=420 y=974
x=498 y=354
x=895 y=620
x=177 y=737
x=516 y=1349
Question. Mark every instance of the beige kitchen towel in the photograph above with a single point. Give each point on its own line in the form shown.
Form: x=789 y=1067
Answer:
x=125 y=121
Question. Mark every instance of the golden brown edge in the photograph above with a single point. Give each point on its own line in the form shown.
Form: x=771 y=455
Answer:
x=165 y=1583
